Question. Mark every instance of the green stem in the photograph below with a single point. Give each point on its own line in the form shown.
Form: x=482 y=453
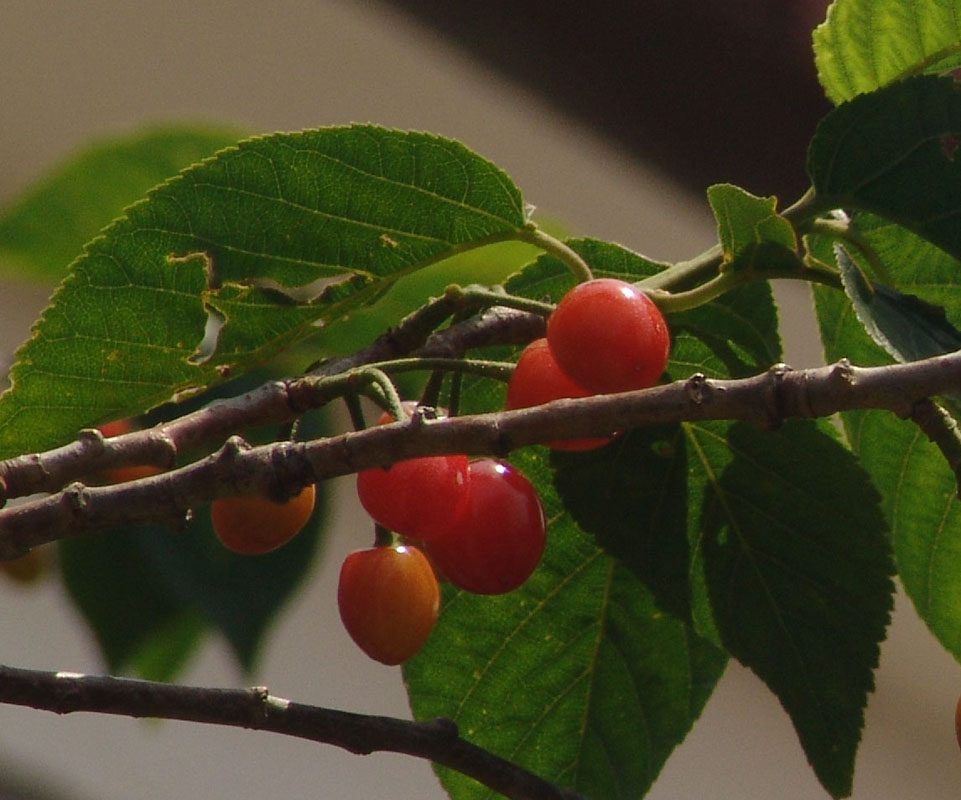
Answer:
x=377 y=379
x=804 y=210
x=572 y=260
x=485 y=297
x=498 y=370
x=684 y=273
x=842 y=230
x=352 y=401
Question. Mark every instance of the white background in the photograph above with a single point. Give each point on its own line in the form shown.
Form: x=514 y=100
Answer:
x=70 y=71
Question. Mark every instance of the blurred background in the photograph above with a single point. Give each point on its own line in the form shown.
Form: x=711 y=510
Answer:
x=612 y=118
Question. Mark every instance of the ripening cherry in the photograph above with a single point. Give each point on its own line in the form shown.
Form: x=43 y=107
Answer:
x=388 y=599
x=608 y=336
x=253 y=525
x=537 y=379
x=500 y=540
x=420 y=498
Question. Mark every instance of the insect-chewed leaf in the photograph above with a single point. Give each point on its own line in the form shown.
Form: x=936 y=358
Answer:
x=358 y=206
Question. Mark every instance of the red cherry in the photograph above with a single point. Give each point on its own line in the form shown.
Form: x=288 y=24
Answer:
x=537 y=379
x=420 y=498
x=608 y=336
x=388 y=599
x=500 y=540
x=253 y=525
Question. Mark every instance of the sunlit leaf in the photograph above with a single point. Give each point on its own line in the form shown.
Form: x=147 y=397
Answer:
x=358 y=206
x=866 y=44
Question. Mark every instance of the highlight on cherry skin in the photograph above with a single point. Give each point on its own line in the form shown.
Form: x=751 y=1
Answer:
x=499 y=542
x=608 y=336
x=388 y=600
x=419 y=498
x=254 y=525
x=538 y=379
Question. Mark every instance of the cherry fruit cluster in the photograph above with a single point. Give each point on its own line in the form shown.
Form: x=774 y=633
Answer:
x=478 y=524
x=605 y=336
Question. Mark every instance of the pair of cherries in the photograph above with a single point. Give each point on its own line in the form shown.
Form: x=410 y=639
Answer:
x=605 y=336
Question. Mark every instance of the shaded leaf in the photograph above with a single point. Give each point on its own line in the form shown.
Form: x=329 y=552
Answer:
x=796 y=568
x=865 y=44
x=892 y=152
x=124 y=330
x=128 y=609
x=45 y=229
x=147 y=618
x=904 y=325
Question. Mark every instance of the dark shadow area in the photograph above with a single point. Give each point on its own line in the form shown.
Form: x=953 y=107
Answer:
x=710 y=92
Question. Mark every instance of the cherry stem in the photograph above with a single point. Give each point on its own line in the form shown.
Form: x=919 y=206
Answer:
x=482 y=296
x=555 y=247
x=356 y=411
x=498 y=370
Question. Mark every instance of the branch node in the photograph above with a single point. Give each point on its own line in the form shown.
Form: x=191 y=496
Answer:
x=844 y=372
x=233 y=447
x=699 y=389
x=75 y=497
x=777 y=405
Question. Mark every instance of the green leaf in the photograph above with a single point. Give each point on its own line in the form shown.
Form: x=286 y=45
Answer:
x=917 y=485
x=238 y=595
x=147 y=618
x=789 y=541
x=749 y=228
x=358 y=207
x=775 y=574
x=893 y=153
x=576 y=675
x=129 y=610
x=904 y=325
x=45 y=229
x=865 y=44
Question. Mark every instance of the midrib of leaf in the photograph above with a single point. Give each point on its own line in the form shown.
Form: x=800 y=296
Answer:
x=536 y=609
x=591 y=672
x=749 y=553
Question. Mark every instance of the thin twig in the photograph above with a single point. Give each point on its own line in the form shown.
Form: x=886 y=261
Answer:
x=255 y=708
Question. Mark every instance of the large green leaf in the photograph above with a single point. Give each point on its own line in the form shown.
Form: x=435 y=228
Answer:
x=127 y=606
x=917 y=485
x=866 y=44
x=577 y=675
x=893 y=152
x=776 y=576
x=792 y=554
x=357 y=207
x=45 y=229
